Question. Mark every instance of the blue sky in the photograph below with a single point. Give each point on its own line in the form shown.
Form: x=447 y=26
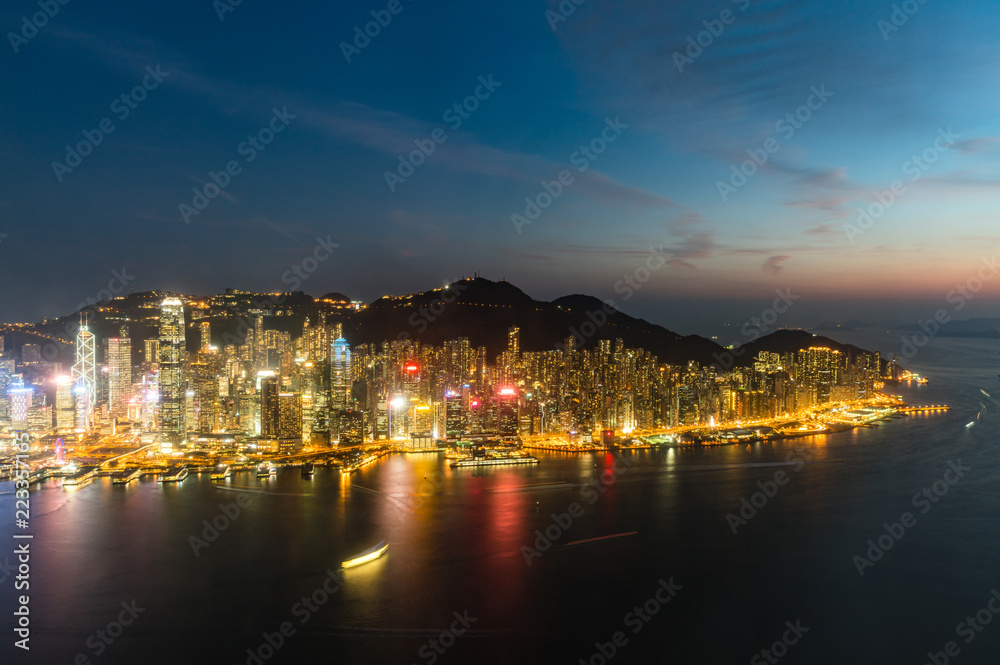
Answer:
x=655 y=185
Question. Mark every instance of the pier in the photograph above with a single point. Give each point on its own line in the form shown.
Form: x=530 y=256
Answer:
x=370 y=459
x=127 y=476
x=81 y=476
x=923 y=409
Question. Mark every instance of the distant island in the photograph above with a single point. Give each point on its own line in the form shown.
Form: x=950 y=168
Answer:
x=981 y=328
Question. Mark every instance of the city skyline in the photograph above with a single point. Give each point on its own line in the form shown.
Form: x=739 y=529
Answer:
x=265 y=389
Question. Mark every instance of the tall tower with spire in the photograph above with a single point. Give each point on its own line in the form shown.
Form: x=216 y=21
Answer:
x=85 y=375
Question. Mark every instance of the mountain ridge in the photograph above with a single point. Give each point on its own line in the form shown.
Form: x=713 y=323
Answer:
x=475 y=308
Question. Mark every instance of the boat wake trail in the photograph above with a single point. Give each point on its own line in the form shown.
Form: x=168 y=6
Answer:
x=397 y=502
x=540 y=487
x=352 y=631
x=748 y=465
x=257 y=490
x=588 y=541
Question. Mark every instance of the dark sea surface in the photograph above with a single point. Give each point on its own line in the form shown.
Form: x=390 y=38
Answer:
x=456 y=539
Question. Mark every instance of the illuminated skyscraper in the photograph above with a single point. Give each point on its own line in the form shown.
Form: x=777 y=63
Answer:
x=270 y=411
x=172 y=355
x=205 y=329
x=81 y=403
x=289 y=416
x=686 y=405
x=350 y=425
x=6 y=377
x=628 y=413
x=65 y=415
x=458 y=355
x=818 y=371
x=453 y=424
x=40 y=417
x=190 y=410
x=259 y=345
x=204 y=378
x=421 y=419
x=411 y=382
x=870 y=368
x=767 y=362
x=85 y=375
x=380 y=422
x=31 y=353
x=317 y=339
x=474 y=416
x=20 y=403
x=248 y=412
x=151 y=355
x=319 y=386
x=507 y=408
x=119 y=359
x=510 y=358
x=340 y=375
x=307 y=383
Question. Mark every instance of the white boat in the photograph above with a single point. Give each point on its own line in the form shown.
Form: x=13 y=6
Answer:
x=370 y=554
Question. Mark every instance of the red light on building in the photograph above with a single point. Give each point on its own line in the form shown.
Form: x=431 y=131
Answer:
x=475 y=403
x=507 y=392
x=411 y=368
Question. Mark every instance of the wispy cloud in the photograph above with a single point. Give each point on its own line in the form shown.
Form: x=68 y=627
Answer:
x=773 y=264
x=393 y=134
x=825 y=230
x=978 y=145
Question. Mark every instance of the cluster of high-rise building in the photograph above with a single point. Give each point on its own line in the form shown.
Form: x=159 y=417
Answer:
x=266 y=391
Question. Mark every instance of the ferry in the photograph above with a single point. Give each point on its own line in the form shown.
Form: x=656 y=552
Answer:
x=266 y=470
x=369 y=554
x=174 y=474
x=503 y=460
x=307 y=470
x=40 y=475
x=222 y=472
x=81 y=476
x=127 y=476
x=452 y=454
